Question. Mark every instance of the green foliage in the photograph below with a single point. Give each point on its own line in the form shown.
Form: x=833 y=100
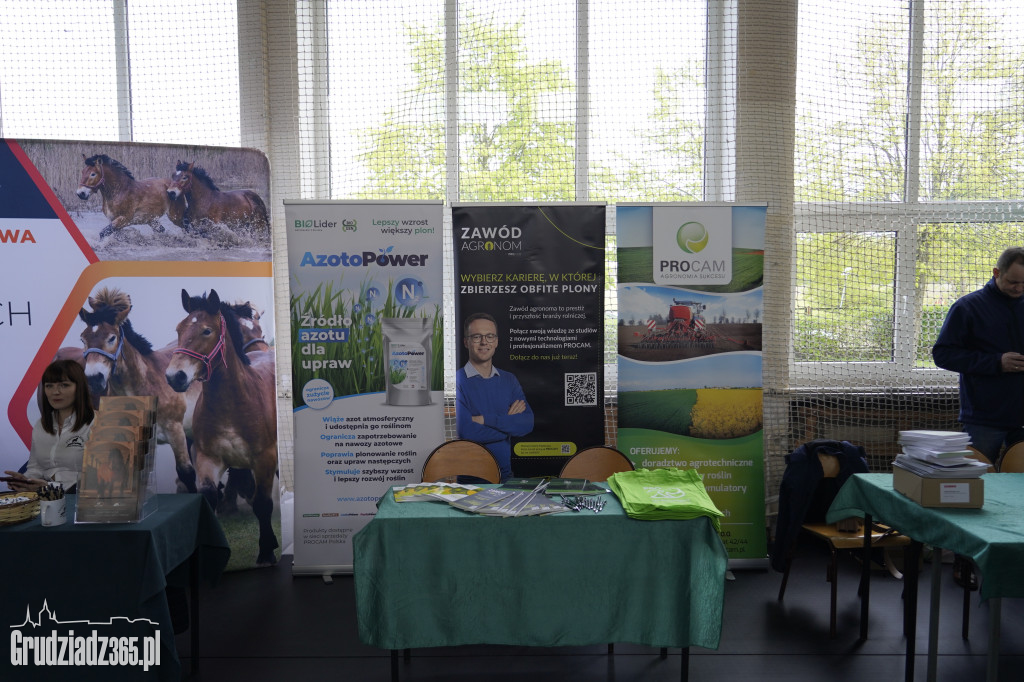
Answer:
x=397 y=376
x=969 y=150
x=516 y=127
x=671 y=167
x=845 y=335
x=363 y=350
x=509 y=148
x=242 y=531
x=932 y=318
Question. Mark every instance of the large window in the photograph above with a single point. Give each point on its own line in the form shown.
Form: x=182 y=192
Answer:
x=909 y=171
x=140 y=71
x=521 y=100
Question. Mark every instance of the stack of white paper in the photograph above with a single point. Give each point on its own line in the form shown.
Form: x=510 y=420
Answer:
x=938 y=454
x=969 y=468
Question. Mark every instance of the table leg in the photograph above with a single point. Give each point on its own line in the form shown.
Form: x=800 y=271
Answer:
x=910 y=606
x=966 y=614
x=394 y=665
x=995 y=606
x=865 y=580
x=193 y=626
x=684 y=665
x=933 y=616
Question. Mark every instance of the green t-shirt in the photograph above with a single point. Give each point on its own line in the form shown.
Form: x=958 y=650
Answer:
x=653 y=494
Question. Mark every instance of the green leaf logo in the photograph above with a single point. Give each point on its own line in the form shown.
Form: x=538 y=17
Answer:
x=692 y=237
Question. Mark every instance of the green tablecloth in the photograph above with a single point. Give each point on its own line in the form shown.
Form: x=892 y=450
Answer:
x=428 y=575
x=95 y=572
x=992 y=536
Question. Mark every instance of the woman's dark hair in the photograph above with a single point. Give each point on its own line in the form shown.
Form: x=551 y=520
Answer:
x=66 y=370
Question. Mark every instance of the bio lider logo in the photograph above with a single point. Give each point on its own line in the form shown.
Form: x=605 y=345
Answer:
x=692 y=237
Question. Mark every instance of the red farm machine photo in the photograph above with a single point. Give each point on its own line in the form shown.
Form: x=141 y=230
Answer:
x=685 y=328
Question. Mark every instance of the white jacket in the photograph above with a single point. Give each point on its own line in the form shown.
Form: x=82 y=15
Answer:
x=57 y=457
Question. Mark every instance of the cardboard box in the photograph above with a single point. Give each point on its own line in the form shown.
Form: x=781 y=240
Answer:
x=939 y=492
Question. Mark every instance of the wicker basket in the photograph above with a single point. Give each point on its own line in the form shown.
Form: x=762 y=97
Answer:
x=18 y=512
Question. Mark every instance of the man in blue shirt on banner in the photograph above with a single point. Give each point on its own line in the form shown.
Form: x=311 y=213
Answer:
x=490 y=407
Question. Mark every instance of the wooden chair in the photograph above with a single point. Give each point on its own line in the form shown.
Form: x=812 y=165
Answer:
x=1013 y=459
x=851 y=537
x=596 y=464
x=460 y=458
x=976 y=454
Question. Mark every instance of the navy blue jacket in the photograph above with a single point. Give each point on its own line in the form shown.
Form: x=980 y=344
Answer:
x=979 y=328
x=805 y=494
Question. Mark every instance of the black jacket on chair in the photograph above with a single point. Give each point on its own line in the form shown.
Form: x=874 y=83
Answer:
x=805 y=494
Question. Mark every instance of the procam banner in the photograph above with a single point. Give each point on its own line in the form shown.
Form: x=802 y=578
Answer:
x=689 y=346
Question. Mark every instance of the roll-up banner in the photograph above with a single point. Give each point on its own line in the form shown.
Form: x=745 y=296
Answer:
x=529 y=307
x=689 y=345
x=367 y=363
x=107 y=250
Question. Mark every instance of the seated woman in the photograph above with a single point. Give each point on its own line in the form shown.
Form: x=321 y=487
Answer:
x=58 y=438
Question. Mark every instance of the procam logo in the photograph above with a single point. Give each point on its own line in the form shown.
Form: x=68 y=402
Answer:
x=692 y=237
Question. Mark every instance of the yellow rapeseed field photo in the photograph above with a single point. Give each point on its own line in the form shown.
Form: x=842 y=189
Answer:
x=726 y=413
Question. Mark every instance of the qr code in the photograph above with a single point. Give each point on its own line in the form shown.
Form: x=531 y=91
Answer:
x=581 y=389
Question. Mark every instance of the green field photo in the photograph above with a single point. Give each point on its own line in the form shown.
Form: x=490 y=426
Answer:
x=668 y=411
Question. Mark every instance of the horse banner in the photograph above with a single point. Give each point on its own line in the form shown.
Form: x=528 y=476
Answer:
x=367 y=363
x=529 y=303
x=151 y=266
x=689 y=346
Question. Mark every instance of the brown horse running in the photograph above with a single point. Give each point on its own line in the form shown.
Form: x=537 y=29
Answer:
x=240 y=481
x=235 y=422
x=127 y=201
x=120 y=361
x=206 y=204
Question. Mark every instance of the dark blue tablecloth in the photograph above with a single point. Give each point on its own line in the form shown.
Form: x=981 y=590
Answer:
x=109 y=574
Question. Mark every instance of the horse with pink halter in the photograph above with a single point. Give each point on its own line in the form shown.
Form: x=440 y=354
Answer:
x=235 y=421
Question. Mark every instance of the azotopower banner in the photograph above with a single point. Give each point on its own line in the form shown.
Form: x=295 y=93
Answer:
x=689 y=347
x=537 y=271
x=367 y=363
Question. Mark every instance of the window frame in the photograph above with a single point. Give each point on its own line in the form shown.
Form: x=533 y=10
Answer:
x=719 y=122
x=903 y=218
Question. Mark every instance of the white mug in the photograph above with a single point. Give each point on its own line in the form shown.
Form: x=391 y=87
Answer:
x=52 y=512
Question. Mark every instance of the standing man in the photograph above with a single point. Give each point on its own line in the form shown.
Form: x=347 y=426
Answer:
x=983 y=339
x=490 y=407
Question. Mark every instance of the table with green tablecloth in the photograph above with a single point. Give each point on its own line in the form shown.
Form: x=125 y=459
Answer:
x=992 y=536
x=427 y=575
x=95 y=573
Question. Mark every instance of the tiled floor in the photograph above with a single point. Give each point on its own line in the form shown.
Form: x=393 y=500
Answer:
x=266 y=625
